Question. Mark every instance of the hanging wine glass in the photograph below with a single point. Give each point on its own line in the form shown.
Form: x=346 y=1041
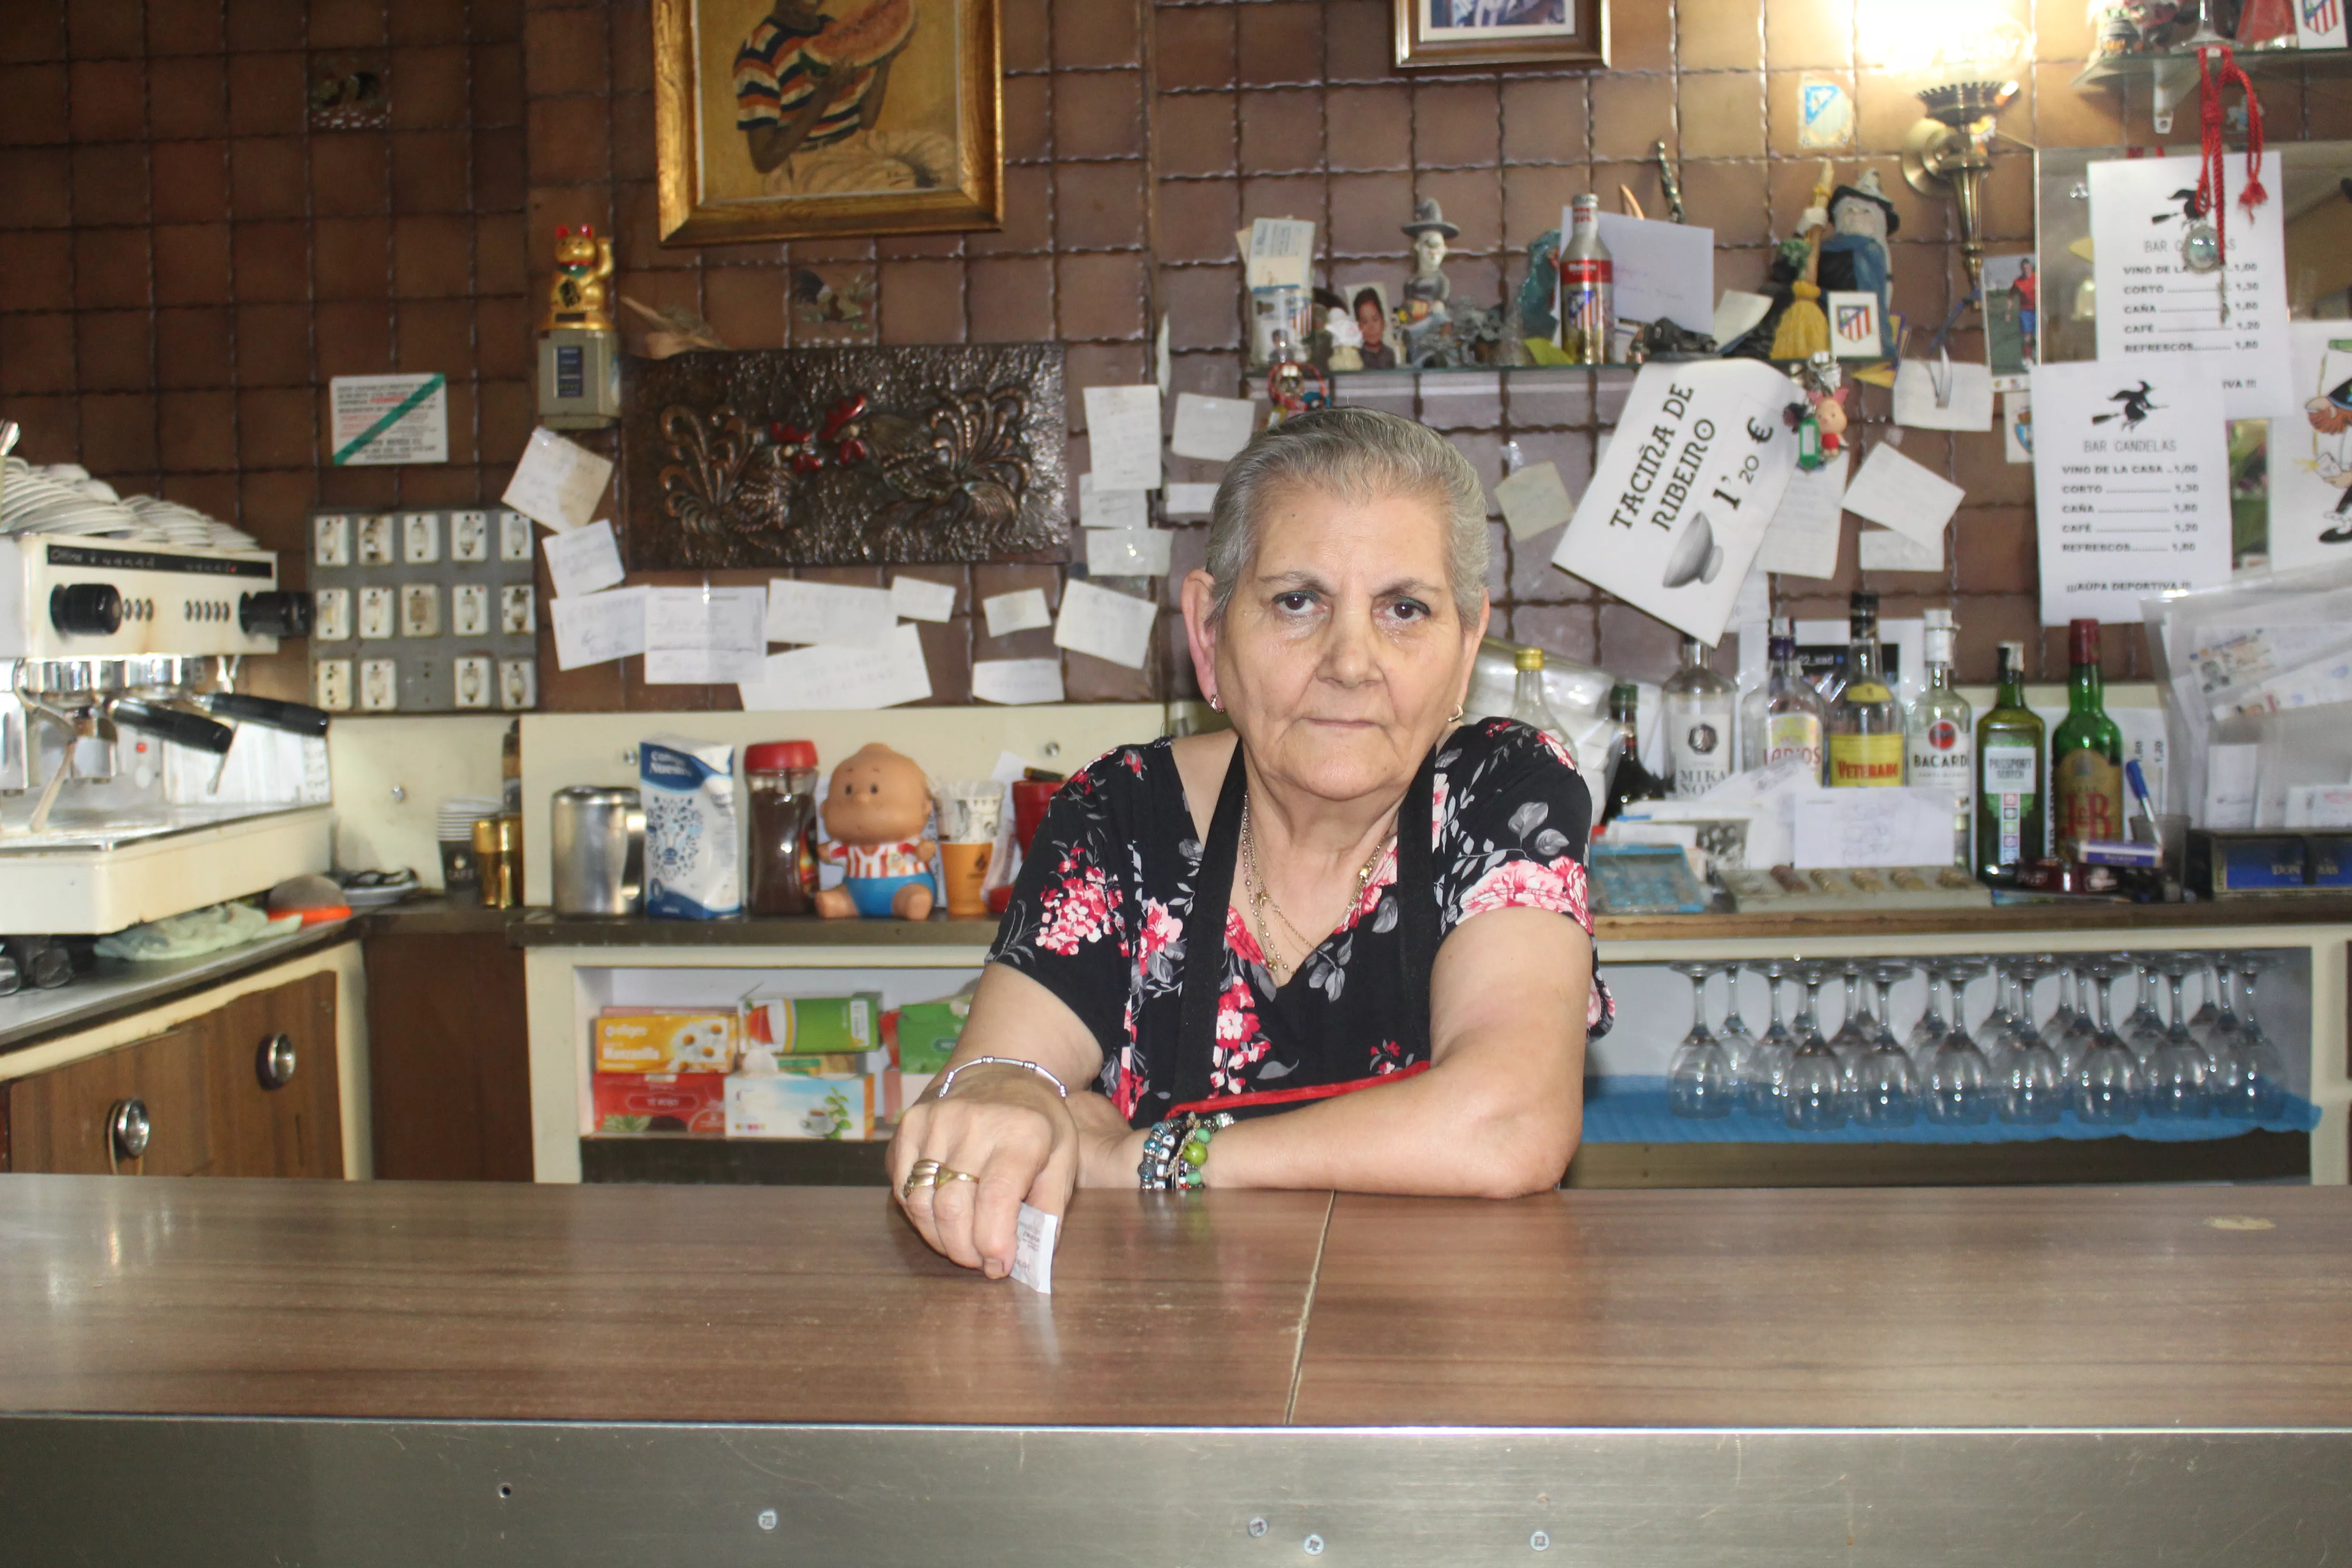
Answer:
x=2221 y=1036
x=1768 y=1065
x=2063 y=1019
x=2209 y=1011
x=2083 y=1028
x=2179 y=1074
x=1992 y=1034
x=1738 y=1041
x=1955 y=1092
x=1929 y=1031
x=1815 y=1100
x=2029 y=1087
x=2107 y=1082
x=1885 y=1088
x=2250 y=1084
x=1858 y=1031
x=1698 y=1078
x=2145 y=1029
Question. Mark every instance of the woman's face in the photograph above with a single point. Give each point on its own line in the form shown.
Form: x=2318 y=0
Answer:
x=1341 y=655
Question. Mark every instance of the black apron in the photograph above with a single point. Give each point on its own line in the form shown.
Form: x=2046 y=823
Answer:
x=1204 y=954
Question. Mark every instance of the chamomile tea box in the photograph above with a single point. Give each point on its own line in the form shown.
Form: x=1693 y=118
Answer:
x=645 y=1039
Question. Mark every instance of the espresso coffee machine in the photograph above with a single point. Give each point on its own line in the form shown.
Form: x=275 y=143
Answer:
x=118 y=721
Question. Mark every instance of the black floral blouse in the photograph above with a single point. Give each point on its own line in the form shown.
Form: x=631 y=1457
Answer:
x=1098 y=916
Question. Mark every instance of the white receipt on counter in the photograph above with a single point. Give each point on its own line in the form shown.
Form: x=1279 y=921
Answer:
x=1114 y=627
x=583 y=560
x=921 y=599
x=879 y=675
x=829 y=613
x=1018 y=611
x=558 y=481
x=1033 y=1248
x=596 y=629
x=1895 y=493
x=1216 y=429
x=1123 y=436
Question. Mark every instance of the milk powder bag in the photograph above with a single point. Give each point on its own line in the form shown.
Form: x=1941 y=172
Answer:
x=690 y=854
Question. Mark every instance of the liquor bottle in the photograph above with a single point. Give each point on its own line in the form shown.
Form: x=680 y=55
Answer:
x=2009 y=776
x=1786 y=720
x=1588 y=287
x=1942 y=735
x=2086 y=773
x=1698 y=707
x=1528 y=706
x=1865 y=741
x=1628 y=779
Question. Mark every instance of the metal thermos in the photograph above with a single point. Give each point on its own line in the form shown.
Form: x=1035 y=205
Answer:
x=599 y=851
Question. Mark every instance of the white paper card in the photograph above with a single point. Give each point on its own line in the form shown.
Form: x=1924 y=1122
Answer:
x=881 y=676
x=697 y=636
x=1679 y=503
x=1847 y=827
x=921 y=599
x=1127 y=551
x=1856 y=330
x=1114 y=627
x=1967 y=396
x=1802 y=540
x=1738 y=313
x=1099 y=508
x=1663 y=270
x=2231 y=774
x=2316 y=806
x=380 y=419
x=2149 y=303
x=1534 y=500
x=1895 y=492
x=1034 y=1235
x=1216 y=429
x=583 y=560
x=558 y=482
x=1017 y=681
x=1280 y=251
x=1015 y=612
x=830 y=612
x=595 y=629
x=2311 y=451
x=1883 y=550
x=1123 y=436
x=2131 y=483
x=1191 y=500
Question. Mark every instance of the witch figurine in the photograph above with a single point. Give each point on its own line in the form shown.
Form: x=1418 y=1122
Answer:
x=1427 y=290
x=1855 y=254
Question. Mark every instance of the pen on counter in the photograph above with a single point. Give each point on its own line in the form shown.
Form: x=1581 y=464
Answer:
x=2138 y=782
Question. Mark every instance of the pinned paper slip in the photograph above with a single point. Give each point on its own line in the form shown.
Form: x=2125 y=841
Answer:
x=1216 y=429
x=558 y=482
x=1127 y=551
x=1277 y=252
x=1534 y=500
x=921 y=599
x=1034 y=1234
x=1841 y=828
x=1021 y=611
x=1123 y=436
x=1111 y=509
x=1191 y=500
x=1113 y=627
x=583 y=560
x=830 y=612
x=1882 y=550
x=881 y=676
x=1738 y=313
x=1895 y=492
x=596 y=629
x=1015 y=681
x=1664 y=271
x=700 y=636
x=1936 y=395
x=1802 y=540
x=380 y=419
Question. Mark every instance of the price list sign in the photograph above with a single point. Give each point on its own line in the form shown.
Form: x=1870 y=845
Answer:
x=2131 y=488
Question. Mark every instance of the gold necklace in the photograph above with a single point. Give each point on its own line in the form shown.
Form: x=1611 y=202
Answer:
x=1260 y=895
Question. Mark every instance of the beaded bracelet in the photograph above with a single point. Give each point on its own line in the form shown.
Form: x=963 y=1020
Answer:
x=1194 y=1153
x=1176 y=1150
x=1151 y=1172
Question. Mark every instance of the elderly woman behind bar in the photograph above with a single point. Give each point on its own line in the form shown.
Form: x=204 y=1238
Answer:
x=1343 y=944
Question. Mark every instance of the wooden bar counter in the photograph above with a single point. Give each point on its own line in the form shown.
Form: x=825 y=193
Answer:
x=233 y=1371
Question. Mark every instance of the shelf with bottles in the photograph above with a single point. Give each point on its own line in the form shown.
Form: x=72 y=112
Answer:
x=2180 y=64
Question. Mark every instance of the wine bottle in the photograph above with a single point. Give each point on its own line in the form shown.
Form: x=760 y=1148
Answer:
x=2088 y=751
x=1628 y=779
x=2009 y=776
x=1865 y=742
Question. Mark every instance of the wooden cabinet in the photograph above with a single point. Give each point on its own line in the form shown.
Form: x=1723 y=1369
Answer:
x=248 y=1090
x=448 y=1058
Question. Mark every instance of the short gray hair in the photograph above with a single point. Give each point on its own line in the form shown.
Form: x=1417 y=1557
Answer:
x=1361 y=454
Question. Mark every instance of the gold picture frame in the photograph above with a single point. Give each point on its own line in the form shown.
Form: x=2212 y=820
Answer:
x=743 y=155
x=1534 y=32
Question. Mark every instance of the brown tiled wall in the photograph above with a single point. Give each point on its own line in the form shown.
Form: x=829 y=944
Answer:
x=183 y=262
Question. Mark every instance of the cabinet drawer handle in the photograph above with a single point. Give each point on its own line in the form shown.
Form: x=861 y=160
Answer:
x=274 y=1063
x=128 y=1129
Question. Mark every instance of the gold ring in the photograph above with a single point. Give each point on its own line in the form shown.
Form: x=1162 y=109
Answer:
x=948 y=1175
x=923 y=1168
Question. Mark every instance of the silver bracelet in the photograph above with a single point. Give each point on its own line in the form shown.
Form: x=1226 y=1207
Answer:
x=948 y=1082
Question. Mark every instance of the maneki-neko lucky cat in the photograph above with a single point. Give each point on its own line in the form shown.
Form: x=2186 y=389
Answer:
x=576 y=298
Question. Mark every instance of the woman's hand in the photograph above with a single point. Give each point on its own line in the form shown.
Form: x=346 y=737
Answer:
x=1004 y=1139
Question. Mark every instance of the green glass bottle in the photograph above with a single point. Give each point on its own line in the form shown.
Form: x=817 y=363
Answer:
x=2009 y=776
x=2086 y=773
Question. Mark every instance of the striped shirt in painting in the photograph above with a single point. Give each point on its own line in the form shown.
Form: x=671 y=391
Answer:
x=772 y=80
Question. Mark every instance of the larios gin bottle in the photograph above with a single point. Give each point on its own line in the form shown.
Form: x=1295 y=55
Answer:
x=1943 y=735
x=1786 y=720
x=1588 y=287
x=1865 y=722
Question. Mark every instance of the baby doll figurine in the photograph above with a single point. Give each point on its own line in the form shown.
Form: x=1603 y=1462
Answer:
x=875 y=813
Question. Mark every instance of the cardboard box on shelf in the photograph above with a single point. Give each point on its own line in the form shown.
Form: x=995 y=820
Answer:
x=813 y=1025
x=793 y=1105
x=923 y=1034
x=693 y=1103
x=659 y=1040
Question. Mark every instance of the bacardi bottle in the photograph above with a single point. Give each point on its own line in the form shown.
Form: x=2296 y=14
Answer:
x=1942 y=728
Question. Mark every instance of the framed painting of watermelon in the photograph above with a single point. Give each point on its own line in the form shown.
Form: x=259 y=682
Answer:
x=795 y=119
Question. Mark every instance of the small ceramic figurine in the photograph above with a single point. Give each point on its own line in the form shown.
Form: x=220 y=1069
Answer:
x=1292 y=386
x=582 y=262
x=1803 y=329
x=1433 y=332
x=876 y=812
x=1427 y=290
x=1855 y=254
x=1820 y=421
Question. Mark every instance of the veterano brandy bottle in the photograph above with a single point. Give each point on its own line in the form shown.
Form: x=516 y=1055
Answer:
x=2087 y=752
x=1698 y=704
x=1866 y=724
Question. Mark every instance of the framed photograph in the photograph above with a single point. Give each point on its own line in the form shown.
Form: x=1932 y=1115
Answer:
x=1501 y=32
x=796 y=119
